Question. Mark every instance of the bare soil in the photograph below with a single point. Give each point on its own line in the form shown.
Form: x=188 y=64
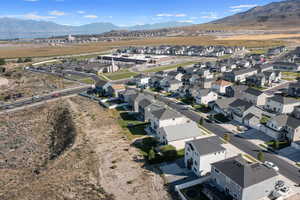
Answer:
x=99 y=163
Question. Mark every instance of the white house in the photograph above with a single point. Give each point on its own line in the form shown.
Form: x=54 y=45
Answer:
x=255 y=96
x=201 y=153
x=165 y=117
x=142 y=80
x=220 y=86
x=204 y=96
x=178 y=135
x=280 y=104
x=243 y=180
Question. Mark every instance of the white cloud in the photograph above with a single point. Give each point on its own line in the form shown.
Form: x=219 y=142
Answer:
x=209 y=15
x=81 y=12
x=35 y=16
x=171 y=15
x=243 y=6
x=186 y=21
x=57 y=13
x=91 y=16
x=31 y=0
x=236 y=10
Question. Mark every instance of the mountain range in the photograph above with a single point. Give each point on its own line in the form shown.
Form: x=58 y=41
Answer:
x=276 y=14
x=11 y=28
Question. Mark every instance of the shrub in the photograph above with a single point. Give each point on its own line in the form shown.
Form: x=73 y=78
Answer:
x=261 y=156
x=2 y=61
x=169 y=152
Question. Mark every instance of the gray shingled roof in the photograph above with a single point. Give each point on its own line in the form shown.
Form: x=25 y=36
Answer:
x=284 y=100
x=253 y=91
x=243 y=173
x=181 y=131
x=243 y=71
x=241 y=104
x=166 y=114
x=144 y=103
x=283 y=120
x=100 y=83
x=207 y=145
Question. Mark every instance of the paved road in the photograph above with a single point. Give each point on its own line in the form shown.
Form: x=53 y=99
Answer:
x=286 y=169
x=28 y=101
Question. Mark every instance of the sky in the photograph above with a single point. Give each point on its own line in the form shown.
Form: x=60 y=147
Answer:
x=125 y=12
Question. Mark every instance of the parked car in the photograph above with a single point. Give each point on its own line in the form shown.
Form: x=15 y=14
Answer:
x=271 y=165
x=55 y=95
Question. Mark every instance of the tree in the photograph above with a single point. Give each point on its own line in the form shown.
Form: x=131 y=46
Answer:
x=276 y=144
x=20 y=60
x=226 y=137
x=261 y=156
x=2 y=61
x=28 y=59
x=201 y=121
x=151 y=155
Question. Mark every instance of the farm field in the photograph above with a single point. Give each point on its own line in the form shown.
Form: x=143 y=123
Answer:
x=47 y=51
x=258 y=37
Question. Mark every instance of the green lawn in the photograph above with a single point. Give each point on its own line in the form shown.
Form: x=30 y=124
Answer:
x=168 y=67
x=123 y=74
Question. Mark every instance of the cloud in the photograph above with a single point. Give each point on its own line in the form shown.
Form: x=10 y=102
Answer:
x=236 y=10
x=57 y=13
x=186 y=21
x=91 y=16
x=35 y=16
x=31 y=0
x=209 y=15
x=243 y=6
x=81 y=12
x=171 y=15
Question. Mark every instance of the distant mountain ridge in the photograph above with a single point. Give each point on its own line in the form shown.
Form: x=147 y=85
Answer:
x=283 y=13
x=11 y=28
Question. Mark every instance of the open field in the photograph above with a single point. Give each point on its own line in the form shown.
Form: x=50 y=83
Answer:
x=98 y=163
x=122 y=74
x=259 y=37
x=42 y=51
x=169 y=67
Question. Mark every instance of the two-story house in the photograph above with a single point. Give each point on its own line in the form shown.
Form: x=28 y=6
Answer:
x=220 y=86
x=201 y=153
x=142 y=81
x=280 y=104
x=294 y=89
x=255 y=96
x=204 y=96
x=243 y=180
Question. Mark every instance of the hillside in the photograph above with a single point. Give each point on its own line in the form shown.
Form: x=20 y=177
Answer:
x=276 y=14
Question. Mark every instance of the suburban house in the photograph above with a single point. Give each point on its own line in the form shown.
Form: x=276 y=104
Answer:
x=172 y=85
x=294 y=89
x=256 y=80
x=201 y=153
x=243 y=180
x=222 y=106
x=238 y=109
x=177 y=135
x=105 y=88
x=204 y=96
x=286 y=66
x=239 y=75
x=220 y=86
x=165 y=117
x=235 y=91
x=150 y=108
x=129 y=97
x=141 y=81
x=141 y=97
x=280 y=104
x=100 y=85
x=255 y=96
x=283 y=127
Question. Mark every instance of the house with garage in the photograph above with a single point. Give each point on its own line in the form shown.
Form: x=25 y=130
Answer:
x=172 y=85
x=294 y=89
x=239 y=75
x=280 y=104
x=144 y=98
x=286 y=66
x=165 y=117
x=177 y=135
x=222 y=106
x=242 y=180
x=201 y=153
x=238 y=109
x=129 y=97
x=204 y=96
x=284 y=127
x=100 y=87
x=255 y=96
x=256 y=80
x=220 y=86
x=141 y=81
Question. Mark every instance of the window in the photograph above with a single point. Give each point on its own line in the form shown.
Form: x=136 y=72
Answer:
x=217 y=171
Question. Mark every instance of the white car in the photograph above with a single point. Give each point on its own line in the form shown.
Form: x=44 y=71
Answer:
x=271 y=165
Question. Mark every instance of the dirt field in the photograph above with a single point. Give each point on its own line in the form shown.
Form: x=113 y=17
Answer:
x=42 y=51
x=101 y=164
x=29 y=84
x=259 y=37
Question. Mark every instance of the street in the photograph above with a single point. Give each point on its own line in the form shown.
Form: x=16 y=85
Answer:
x=286 y=169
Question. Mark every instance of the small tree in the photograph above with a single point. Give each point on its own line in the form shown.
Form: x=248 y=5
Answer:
x=20 y=60
x=28 y=59
x=2 y=61
x=201 y=121
x=226 y=137
x=261 y=156
x=151 y=155
x=276 y=144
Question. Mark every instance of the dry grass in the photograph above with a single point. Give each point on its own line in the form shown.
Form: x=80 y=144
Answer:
x=259 y=37
x=42 y=51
